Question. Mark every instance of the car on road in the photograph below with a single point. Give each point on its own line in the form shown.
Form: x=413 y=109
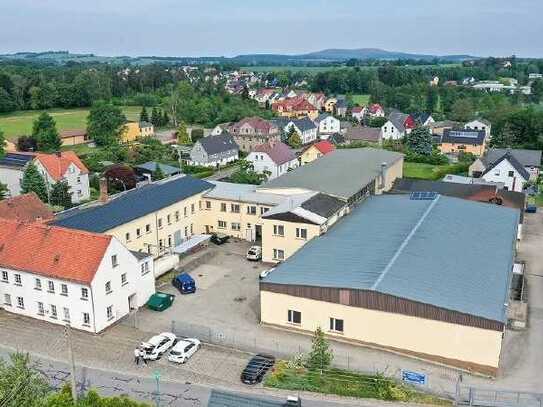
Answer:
x=257 y=368
x=265 y=273
x=219 y=238
x=155 y=347
x=184 y=349
x=254 y=253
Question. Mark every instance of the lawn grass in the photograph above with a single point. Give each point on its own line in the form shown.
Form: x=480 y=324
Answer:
x=361 y=100
x=432 y=172
x=19 y=123
x=346 y=383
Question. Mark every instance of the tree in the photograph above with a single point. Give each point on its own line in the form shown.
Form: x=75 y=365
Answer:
x=165 y=118
x=196 y=134
x=419 y=141
x=320 y=356
x=33 y=182
x=377 y=122
x=537 y=91
x=432 y=99
x=156 y=117
x=105 y=124
x=158 y=174
x=293 y=138
x=462 y=110
x=44 y=130
x=245 y=174
x=182 y=134
x=2 y=144
x=27 y=143
x=20 y=384
x=60 y=195
x=63 y=398
x=144 y=117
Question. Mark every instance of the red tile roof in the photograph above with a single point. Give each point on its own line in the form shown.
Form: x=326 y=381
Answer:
x=357 y=109
x=374 y=108
x=25 y=208
x=297 y=103
x=257 y=123
x=324 y=146
x=51 y=251
x=57 y=165
x=279 y=152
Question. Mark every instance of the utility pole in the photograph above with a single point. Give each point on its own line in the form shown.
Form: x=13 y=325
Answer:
x=156 y=375
x=68 y=335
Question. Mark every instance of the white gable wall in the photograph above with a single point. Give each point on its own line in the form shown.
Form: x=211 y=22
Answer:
x=390 y=132
x=506 y=173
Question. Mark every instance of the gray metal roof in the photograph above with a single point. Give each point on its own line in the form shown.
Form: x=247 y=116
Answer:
x=242 y=193
x=132 y=204
x=218 y=144
x=513 y=161
x=341 y=173
x=16 y=160
x=166 y=169
x=448 y=252
x=398 y=120
x=528 y=158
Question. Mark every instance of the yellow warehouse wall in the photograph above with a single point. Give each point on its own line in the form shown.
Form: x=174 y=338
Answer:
x=289 y=243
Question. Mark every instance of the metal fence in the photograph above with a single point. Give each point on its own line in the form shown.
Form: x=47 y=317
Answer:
x=473 y=396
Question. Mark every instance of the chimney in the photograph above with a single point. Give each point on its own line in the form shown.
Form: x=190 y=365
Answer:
x=103 y=190
x=383 y=175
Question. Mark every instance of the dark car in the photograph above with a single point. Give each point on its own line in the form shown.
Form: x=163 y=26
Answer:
x=219 y=238
x=257 y=368
x=184 y=283
x=531 y=208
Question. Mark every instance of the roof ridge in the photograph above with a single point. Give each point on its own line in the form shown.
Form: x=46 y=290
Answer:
x=52 y=227
x=405 y=242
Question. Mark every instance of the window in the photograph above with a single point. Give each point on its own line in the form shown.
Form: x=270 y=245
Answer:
x=336 y=325
x=5 y=277
x=53 y=312
x=497 y=173
x=177 y=216
x=301 y=233
x=160 y=244
x=18 y=280
x=114 y=261
x=234 y=208
x=148 y=228
x=124 y=281
x=192 y=208
x=511 y=173
x=20 y=303
x=109 y=312
x=294 y=317
x=278 y=230
x=159 y=223
x=144 y=268
x=236 y=226
x=223 y=207
x=191 y=229
x=200 y=205
x=86 y=319
x=64 y=290
x=208 y=205
x=79 y=180
x=251 y=210
x=108 y=287
x=41 y=310
x=84 y=293
x=222 y=224
x=138 y=233
x=38 y=284
x=66 y=314
x=185 y=211
x=169 y=219
x=186 y=231
x=127 y=237
x=51 y=286
x=7 y=299
x=278 y=254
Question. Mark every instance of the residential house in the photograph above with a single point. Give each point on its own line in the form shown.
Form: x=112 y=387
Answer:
x=253 y=131
x=273 y=158
x=296 y=107
x=316 y=151
x=392 y=267
x=150 y=168
x=12 y=168
x=375 y=110
x=65 y=276
x=136 y=130
x=25 y=208
x=328 y=124
x=358 y=112
x=423 y=119
x=397 y=126
x=220 y=128
x=341 y=107
x=363 y=133
x=214 y=151
x=65 y=166
x=306 y=129
x=467 y=141
x=508 y=171
x=74 y=137
x=480 y=124
x=529 y=159
x=438 y=128
x=330 y=105
x=10 y=146
x=263 y=96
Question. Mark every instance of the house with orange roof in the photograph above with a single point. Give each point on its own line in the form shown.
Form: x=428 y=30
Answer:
x=25 y=208
x=66 y=276
x=65 y=166
x=316 y=151
x=295 y=107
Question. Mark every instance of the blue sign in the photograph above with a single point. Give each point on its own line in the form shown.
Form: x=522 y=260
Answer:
x=410 y=377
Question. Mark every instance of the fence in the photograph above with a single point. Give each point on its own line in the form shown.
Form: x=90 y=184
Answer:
x=472 y=396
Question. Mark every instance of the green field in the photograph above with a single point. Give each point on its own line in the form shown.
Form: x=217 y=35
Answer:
x=361 y=100
x=19 y=123
x=432 y=172
x=291 y=68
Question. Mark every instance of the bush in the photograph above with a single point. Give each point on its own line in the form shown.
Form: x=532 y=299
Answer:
x=436 y=158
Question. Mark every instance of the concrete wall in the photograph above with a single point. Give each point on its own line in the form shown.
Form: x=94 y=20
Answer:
x=393 y=172
x=401 y=332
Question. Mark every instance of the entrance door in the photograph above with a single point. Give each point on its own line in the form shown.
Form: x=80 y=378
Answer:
x=132 y=304
x=258 y=234
x=209 y=229
x=177 y=237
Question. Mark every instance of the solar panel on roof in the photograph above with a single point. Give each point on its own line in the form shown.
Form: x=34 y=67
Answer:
x=423 y=196
x=464 y=134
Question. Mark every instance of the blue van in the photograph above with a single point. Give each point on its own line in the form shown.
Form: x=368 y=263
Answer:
x=184 y=283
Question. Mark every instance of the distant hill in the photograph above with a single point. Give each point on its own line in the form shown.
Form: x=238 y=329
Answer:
x=324 y=56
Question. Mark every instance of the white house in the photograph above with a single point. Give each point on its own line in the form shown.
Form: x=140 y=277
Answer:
x=275 y=158
x=12 y=167
x=214 y=151
x=65 y=166
x=358 y=112
x=306 y=129
x=397 y=126
x=66 y=276
x=328 y=124
x=480 y=124
x=508 y=171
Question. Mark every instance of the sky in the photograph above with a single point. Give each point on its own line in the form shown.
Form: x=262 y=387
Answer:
x=233 y=27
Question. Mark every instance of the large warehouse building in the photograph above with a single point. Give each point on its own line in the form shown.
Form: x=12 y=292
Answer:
x=422 y=274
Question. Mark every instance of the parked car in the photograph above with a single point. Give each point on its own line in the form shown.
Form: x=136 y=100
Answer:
x=265 y=273
x=219 y=238
x=184 y=283
x=183 y=350
x=160 y=301
x=155 y=347
x=254 y=253
x=257 y=368
x=293 y=401
x=531 y=208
